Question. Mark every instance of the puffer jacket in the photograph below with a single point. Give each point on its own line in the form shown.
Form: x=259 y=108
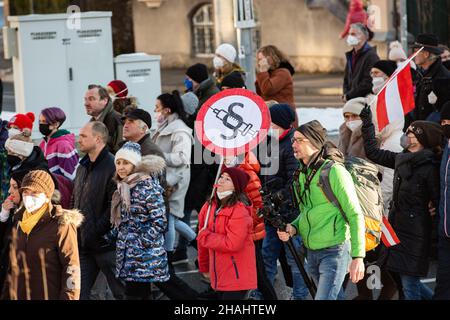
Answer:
x=226 y=249
x=252 y=167
x=416 y=184
x=140 y=254
x=55 y=234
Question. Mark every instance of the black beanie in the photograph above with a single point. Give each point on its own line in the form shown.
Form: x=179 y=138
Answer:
x=445 y=111
x=282 y=115
x=198 y=72
x=234 y=80
x=387 y=66
x=428 y=133
x=314 y=132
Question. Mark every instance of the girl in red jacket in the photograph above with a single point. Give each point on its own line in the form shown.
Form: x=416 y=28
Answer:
x=225 y=246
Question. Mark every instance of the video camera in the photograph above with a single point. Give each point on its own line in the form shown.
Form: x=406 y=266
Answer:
x=271 y=207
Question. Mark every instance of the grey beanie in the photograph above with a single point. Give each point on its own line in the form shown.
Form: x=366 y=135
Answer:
x=190 y=102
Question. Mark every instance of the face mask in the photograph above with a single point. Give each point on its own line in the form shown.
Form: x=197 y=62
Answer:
x=45 y=129
x=405 y=142
x=159 y=117
x=188 y=85
x=34 y=203
x=352 y=41
x=113 y=98
x=222 y=195
x=13 y=132
x=446 y=129
x=353 y=125
x=218 y=63
x=377 y=84
x=233 y=162
x=13 y=160
x=432 y=98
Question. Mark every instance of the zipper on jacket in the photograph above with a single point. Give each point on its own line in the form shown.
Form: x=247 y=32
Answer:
x=235 y=267
x=214 y=251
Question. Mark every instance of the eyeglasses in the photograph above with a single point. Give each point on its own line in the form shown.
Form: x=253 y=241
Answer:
x=298 y=140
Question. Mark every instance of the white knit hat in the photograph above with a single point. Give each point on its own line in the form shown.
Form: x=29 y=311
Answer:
x=227 y=51
x=131 y=152
x=19 y=147
x=396 y=52
x=354 y=106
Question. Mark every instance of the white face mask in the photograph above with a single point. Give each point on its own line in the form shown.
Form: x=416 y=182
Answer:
x=233 y=162
x=432 y=98
x=352 y=41
x=222 y=195
x=34 y=203
x=377 y=84
x=218 y=63
x=13 y=132
x=353 y=125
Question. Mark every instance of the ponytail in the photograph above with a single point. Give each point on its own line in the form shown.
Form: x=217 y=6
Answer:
x=174 y=103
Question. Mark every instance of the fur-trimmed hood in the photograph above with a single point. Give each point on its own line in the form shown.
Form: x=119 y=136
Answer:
x=66 y=217
x=152 y=164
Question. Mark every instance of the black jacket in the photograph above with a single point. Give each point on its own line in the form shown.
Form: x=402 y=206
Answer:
x=416 y=184
x=283 y=164
x=5 y=240
x=431 y=80
x=92 y=193
x=357 y=80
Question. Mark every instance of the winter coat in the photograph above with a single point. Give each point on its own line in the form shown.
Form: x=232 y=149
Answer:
x=277 y=84
x=252 y=167
x=93 y=189
x=4 y=167
x=427 y=82
x=140 y=254
x=282 y=165
x=56 y=235
x=357 y=80
x=112 y=120
x=35 y=161
x=61 y=154
x=5 y=240
x=444 y=204
x=148 y=147
x=416 y=184
x=351 y=143
x=226 y=249
x=206 y=90
x=320 y=222
x=175 y=139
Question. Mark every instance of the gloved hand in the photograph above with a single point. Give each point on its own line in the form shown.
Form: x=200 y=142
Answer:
x=366 y=114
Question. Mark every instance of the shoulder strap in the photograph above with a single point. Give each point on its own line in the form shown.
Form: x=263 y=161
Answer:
x=324 y=183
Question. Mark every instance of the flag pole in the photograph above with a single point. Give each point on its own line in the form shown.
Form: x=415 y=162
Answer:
x=395 y=74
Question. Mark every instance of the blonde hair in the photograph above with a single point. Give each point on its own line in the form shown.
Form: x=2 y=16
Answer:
x=273 y=52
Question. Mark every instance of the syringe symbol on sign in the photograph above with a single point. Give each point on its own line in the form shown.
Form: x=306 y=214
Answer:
x=234 y=121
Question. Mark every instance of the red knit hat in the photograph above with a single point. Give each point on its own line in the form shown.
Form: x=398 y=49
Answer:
x=119 y=87
x=22 y=121
x=356 y=14
x=239 y=177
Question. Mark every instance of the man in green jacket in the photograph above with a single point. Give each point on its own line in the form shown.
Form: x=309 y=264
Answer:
x=330 y=241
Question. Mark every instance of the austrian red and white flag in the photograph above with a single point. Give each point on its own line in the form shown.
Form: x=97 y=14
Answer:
x=388 y=235
x=396 y=98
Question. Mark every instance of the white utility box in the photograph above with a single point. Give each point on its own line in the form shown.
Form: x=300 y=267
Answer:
x=142 y=74
x=54 y=62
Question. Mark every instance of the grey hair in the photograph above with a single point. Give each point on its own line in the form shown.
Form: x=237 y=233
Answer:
x=99 y=129
x=142 y=125
x=362 y=28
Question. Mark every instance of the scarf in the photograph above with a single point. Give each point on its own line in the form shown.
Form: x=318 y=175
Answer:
x=29 y=220
x=121 y=198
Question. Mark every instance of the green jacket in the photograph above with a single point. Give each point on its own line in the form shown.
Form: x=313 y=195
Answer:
x=320 y=223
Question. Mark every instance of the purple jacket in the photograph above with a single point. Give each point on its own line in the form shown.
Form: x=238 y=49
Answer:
x=61 y=154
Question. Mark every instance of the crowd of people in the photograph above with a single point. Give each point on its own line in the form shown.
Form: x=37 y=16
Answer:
x=116 y=199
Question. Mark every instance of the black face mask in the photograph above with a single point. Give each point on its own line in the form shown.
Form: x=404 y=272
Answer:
x=446 y=64
x=13 y=160
x=446 y=129
x=44 y=129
